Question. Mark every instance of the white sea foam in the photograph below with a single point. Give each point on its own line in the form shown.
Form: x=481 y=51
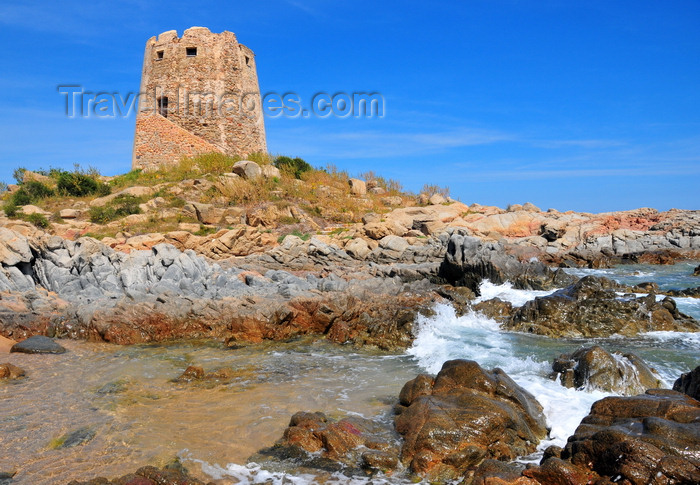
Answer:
x=253 y=474
x=677 y=339
x=445 y=336
x=506 y=292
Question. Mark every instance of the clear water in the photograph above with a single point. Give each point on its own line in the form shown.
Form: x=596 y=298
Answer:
x=139 y=416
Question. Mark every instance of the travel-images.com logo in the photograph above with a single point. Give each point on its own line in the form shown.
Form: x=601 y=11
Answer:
x=82 y=103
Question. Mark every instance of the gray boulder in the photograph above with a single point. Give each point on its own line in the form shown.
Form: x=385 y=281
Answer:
x=38 y=344
x=247 y=169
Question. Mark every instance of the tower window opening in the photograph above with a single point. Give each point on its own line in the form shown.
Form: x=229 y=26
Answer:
x=191 y=51
x=247 y=61
x=159 y=55
x=163 y=106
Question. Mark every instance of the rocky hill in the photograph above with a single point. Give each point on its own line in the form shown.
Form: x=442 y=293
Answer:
x=223 y=209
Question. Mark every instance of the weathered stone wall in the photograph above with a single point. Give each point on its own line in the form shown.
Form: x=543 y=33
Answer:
x=211 y=86
x=159 y=142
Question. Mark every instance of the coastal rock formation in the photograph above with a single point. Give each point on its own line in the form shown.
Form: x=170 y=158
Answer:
x=315 y=441
x=689 y=383
x=469 y=261
x=596 y=368
x=648 y=439
x=453 y=422
x=592 y=308
x=85 y=289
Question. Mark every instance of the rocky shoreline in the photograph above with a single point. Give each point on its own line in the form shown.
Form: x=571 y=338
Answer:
x=368 y=291
x=86 y=289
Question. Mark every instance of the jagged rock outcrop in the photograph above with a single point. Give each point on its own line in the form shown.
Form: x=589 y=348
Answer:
x=84 y=289
x=469 y=261
x=596 y=368
x=453 y=422
x=689 y=383
x=652 y=438
x=592 y=308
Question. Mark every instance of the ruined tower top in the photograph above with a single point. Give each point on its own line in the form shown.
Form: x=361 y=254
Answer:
x=199 y=93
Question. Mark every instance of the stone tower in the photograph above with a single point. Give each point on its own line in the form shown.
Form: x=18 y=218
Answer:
x=199 y=94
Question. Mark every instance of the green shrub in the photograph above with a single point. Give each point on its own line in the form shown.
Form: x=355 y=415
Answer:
x=205 y=230
x=20 y=197
x=11 y=210
x=39 y=220
x=303 y=236
x=293 y=166
x=120 y=206
x=102 y=215
x=38 y=190
x=79 y=184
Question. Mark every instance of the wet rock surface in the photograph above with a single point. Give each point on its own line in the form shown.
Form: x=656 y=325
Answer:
x=689 y=383
x=38 y=344
x=494 y=472
x=351 y=444
x=453 y=422
x=687 y=292
x=592 y=308
x=596 y=368
x=652 y=438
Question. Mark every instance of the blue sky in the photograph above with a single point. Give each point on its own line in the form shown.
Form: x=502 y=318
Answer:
x=589 y=107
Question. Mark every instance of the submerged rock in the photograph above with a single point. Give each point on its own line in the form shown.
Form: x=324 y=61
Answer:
x=74 y=438
x=648 y=439
x=689 y=383
x=463 y=416
x=173 y=474
x=592 y=308
x=10 y=371
x=196 y=373
x=596 y=368
x=38 y=344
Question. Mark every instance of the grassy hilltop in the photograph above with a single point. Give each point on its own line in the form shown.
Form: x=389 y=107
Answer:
x=290 y=197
